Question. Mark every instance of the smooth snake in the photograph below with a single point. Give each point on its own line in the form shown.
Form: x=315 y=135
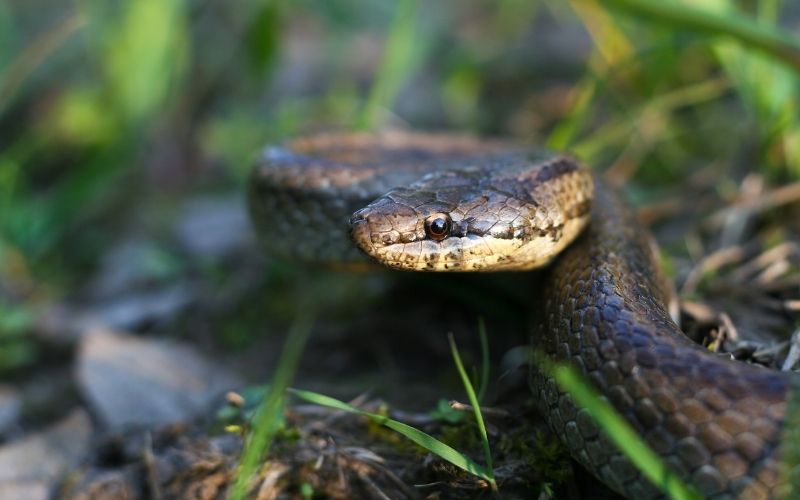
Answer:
x=444 y=202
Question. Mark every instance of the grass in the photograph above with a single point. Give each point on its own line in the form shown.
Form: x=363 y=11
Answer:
x=424 y=440
x=421 y=438
x=624 y=78
x=34 y=55
x=486 y=365
x=760 y=59
x=270 y=413
x=777 y=43
x=614 y=425
x=395 y=65
x=474 y=400
x=790 y=456
x=129 y=86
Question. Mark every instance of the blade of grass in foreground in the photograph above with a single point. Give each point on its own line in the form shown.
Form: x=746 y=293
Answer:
x=473 y=400
x=773 y=41
x=485 y=363
x=34 y=55
x=620 y=433
x=395 y=63
x=268 y=415
x=427 y=441
x=790 y=455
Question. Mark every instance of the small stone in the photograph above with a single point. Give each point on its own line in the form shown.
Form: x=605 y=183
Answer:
x=214 y=227
x=10 y=408
x=31 y=467
x=135 y=381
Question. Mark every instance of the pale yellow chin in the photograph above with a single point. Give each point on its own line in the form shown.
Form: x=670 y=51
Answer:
x=473 y=253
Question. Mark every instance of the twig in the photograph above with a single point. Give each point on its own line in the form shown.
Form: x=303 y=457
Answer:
x=702 y=313
x=794 y=352
x=728 y=330
x=489 y=412
x=149 y=460
x=736 y=221
x=783 y=195
x=774 y=271
x=763 y=260
x=792 y=305
x=711 y=263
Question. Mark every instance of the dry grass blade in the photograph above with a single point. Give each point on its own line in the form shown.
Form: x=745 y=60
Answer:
x=775 y=198
x=709 y=264
x=757 y=264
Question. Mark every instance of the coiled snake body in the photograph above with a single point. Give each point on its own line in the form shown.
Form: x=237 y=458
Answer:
x=442 y=202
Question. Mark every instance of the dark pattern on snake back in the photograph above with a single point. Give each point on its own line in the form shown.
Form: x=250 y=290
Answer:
x=601 y=305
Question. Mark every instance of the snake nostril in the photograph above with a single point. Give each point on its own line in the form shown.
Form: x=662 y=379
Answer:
x=358 y=216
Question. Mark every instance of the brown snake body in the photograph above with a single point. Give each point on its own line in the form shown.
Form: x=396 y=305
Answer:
x=430 y=202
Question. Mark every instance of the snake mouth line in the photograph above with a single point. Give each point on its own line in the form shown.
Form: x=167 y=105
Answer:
x=470 y=252
x=465 y=228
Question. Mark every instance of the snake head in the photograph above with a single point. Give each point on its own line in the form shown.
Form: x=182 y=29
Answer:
x=514 y=216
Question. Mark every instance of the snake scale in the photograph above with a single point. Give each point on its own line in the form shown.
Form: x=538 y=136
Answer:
x=439 y=202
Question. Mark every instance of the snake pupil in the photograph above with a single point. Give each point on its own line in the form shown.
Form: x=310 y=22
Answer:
x=438 y=226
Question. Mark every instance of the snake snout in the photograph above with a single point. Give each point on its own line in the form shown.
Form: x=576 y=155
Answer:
x=360 y=231
x=358 y=217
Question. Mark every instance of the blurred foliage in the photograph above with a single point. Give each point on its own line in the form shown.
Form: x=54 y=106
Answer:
x=104 y=104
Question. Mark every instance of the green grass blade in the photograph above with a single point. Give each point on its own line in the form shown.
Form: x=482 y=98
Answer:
x=14 y=76
x=427 y=441
x=767 y=88
x=473 y=400
x=790 y=453
x=268 y=415
x=773 y=41
x=618 y=430
x=145 y=56
x=617 y=133
x=396 y=61
x=564 y=133
x=485 y=362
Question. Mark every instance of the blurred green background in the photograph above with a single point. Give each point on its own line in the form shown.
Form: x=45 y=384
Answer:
x=113 y=112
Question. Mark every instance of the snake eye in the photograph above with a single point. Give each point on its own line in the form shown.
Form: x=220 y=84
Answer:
x=437 y=226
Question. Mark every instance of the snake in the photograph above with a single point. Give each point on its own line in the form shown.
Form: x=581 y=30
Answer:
x=445 y=202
